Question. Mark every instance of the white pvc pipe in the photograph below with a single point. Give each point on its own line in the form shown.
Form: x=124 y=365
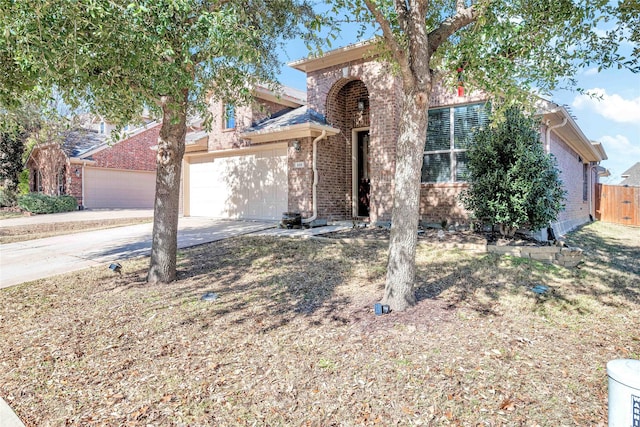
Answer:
x=547 y=142
x=314 y=188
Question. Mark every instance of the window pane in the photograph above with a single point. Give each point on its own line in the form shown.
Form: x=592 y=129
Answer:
x=461 y=166
x=467 y=119
x=438 y=136
x=230 y=117
x=436 y=168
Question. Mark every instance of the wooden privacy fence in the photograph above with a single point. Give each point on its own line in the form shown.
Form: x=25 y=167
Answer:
x=618 y=204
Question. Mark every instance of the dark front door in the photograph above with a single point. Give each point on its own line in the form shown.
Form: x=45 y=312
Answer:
x=364 y=183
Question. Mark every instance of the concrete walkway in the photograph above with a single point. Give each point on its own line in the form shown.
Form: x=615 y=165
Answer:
x=36 y=259
x=7 y=417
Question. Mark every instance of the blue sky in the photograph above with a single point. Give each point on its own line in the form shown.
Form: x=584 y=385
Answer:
x=613 y=118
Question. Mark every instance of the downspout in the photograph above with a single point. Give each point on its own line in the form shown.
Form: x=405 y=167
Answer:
x=547 y=148
x=547 y=141
x=592 y=185
x=314 y=188
x=82 y=184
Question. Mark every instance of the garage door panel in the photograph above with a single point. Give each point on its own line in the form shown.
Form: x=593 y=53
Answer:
x=252 y=186
x=110 y=188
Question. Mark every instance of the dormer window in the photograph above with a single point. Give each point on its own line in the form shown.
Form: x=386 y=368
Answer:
x=229 y=117
x=102 y=127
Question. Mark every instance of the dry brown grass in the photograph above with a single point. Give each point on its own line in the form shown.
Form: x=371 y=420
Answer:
x=292 y=339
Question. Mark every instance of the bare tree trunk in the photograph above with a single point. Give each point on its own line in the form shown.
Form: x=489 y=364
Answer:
x=399 y=291
x=162 y=268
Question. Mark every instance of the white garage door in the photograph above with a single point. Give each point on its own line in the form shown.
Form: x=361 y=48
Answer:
x=111 y=188
x=251 y=186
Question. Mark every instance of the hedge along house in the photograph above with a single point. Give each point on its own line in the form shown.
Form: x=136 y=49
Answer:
x=97 y=172
x=334 y=158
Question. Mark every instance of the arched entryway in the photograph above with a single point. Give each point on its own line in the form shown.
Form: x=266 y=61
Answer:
x=348 y=109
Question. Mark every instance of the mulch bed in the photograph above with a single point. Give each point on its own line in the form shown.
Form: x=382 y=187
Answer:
x=431 y=235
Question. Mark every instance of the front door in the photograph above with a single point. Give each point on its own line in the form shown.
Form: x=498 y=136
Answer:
x=362 y=179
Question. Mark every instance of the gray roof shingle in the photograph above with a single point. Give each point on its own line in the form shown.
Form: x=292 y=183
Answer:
x=632 y=176
x=287 y=117
x=80 y=141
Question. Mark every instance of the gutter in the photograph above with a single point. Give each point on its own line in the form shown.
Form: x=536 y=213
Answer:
x=314 y=188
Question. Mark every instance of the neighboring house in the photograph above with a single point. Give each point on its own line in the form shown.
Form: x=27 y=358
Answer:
x=260 y=169
x=99 y=173
x=631 y=177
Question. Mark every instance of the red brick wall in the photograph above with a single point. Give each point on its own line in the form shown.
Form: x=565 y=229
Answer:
x=301 y=178
x=224 y=139
x=441 y=201
x=330 y=92
x=576 y=210
x=49 y=160
x=133 y=153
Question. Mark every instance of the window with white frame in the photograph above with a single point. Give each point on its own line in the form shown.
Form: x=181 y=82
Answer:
x=449 y=133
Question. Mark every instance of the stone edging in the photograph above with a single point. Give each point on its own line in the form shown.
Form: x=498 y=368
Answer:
x=563 y=256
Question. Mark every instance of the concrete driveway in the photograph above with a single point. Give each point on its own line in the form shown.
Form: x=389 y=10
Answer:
x=37 y=259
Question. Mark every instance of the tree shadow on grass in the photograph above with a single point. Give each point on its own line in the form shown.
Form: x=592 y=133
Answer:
x=609 y=275
x=263 y=280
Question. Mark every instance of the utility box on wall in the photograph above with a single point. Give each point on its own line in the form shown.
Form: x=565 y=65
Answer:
x=624 y=393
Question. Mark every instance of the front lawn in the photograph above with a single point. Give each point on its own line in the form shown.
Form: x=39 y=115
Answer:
x=292 y=340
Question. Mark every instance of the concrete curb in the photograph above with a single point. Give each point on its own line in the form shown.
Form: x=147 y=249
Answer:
x=7 y=417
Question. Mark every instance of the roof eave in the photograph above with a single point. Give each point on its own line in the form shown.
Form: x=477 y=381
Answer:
x=282 y=99
x=573 y=135
x=301 y=130
x=334 y=57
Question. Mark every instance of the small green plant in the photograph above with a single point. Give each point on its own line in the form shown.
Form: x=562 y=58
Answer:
x=327 y=364
x=42 y=204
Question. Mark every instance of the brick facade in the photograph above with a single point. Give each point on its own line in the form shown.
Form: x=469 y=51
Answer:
x=571 y=168
x=300 y=179
x=133 y=153
x=335 y=91
x=225 y=139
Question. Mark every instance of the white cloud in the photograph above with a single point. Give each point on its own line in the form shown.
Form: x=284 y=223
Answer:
x=620 y=144
x=621 y=153
x=612 y=107
x=591 y=71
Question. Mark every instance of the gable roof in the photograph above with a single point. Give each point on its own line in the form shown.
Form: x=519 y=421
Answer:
x=79 y=141
x=87 y=152
x=632 y=176
x=287 y=124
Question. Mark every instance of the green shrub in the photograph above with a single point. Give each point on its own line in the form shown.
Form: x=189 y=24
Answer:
x=23 y=182
x=65 y=204
x=513 y=183
x=42 y=204
x=8 y=198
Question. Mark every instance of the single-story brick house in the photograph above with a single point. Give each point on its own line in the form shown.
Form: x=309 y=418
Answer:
x=252 y=168
x=99 y=173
